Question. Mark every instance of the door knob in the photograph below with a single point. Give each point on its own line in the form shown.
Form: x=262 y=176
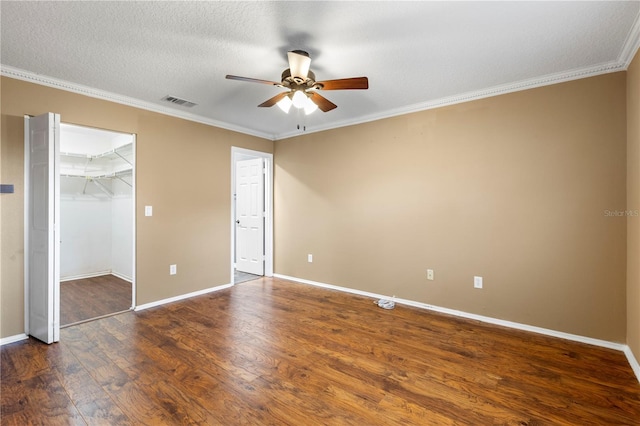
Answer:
x=238 y=222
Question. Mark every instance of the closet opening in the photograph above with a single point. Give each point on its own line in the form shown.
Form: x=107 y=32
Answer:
x=97 y=223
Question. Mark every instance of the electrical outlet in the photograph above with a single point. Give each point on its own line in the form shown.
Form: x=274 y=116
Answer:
x=430 y=274
x=310 y=258
x=477 y=282
x=173 y=269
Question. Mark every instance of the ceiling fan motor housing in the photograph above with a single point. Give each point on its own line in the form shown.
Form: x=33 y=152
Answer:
x=297 y=83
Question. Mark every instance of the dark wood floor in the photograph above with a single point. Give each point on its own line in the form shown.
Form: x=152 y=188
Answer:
x=271 y=352
x=95 y=297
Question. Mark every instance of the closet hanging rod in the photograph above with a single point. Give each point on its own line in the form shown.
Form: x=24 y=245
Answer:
x=76 y=176
x=75 y=154
x=94 y=179
x=116 y=175
x=115 y=151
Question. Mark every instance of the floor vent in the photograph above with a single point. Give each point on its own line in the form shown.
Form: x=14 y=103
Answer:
x=178 y=101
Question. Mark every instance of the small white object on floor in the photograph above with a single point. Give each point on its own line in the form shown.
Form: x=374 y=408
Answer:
x=386 y=303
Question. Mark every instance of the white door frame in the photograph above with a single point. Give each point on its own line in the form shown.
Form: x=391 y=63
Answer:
x=236 y=155
x=134 y=267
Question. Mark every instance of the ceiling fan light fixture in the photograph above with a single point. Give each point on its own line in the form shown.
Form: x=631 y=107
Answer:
x=299 y=99
x=299 y=63
x=310 y=106
x=285 y=104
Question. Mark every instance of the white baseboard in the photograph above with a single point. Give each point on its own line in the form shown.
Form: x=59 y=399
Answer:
x=181 y=297
x=525 y=327
x=12 y=339
x=18 y=337
x=122 y=277
x=635 y=366
x=84 y=276
x=96 y=274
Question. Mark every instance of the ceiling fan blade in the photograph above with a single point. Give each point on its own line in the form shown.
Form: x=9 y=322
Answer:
x=323 y=103
x=299 y=62
x=345 y=84
x=253 y=80
x=272 y=101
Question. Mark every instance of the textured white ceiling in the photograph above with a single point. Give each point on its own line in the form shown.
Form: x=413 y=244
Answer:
x=416 y=54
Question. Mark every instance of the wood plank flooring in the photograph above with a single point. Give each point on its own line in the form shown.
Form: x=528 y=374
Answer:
x=94 y=297
x=271 y=352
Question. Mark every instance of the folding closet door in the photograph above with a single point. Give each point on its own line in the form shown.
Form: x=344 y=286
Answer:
x=42 y=226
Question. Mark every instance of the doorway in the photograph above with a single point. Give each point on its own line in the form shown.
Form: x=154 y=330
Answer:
x=251 y=214
x=96 y=223
x=79 y=222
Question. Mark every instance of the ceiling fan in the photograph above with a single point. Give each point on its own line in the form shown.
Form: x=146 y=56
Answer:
x=302 y=86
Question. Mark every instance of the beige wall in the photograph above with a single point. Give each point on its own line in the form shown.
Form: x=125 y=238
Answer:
x=183 y=170
x=633 y=205
x=513 y=188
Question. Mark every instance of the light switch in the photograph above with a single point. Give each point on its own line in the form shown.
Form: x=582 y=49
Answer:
x=477 y=282
x=148 y=210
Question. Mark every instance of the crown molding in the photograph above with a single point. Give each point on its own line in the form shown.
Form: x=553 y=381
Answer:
x=518 y=86
x=631 y=44
x=627 y=54
x=19 y=74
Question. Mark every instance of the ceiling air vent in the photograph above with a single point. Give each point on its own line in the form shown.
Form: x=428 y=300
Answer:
x=178 y=101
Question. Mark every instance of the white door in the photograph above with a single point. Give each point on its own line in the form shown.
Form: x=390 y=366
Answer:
x=42 y=138
x=250 y=216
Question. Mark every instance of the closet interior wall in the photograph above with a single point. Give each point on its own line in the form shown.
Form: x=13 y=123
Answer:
x=96 y=203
